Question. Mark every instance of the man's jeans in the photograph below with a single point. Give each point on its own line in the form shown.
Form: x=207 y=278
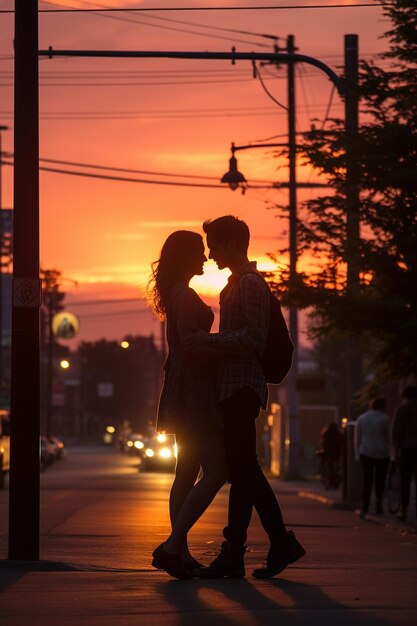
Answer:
x=368 y=466
x=249 y=487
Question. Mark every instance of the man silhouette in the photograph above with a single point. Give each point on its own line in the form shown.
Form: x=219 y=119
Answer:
x=242 y=391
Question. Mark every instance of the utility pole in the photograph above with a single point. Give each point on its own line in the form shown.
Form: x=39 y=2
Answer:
x=292 y=434
x=354 y=364
x=50 y=366
x=24 y=489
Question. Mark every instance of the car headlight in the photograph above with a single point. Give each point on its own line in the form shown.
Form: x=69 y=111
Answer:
x=129 y=444
x=165 y=453
x=149 y=452
x=139 y=445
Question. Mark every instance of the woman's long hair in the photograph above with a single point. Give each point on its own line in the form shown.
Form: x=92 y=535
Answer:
x=171 y=267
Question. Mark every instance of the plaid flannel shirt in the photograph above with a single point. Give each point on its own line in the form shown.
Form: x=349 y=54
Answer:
x=244 y=320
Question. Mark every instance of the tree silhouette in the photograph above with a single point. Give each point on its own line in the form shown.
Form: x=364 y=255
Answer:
x=383 y=312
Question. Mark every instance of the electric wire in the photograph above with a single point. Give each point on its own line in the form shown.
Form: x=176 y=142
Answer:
x=220 y=28
x=194 y=24
x=136 y=84
x=115 y=314
x=92 y=116
x=106 y=302
x=125 y=170
x=329 y=106
x=170 y=28
x=257 y=74
x=131 y=180
x=219 y=9
x=300 y=75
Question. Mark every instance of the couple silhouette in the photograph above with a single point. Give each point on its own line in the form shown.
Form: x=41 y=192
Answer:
x=213 y=391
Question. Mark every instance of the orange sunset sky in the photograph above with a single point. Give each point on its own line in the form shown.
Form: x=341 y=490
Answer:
x=171 y=118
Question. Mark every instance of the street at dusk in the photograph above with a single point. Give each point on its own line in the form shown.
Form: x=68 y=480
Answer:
x=168 y=123
x=101 y=519
x=208 y=313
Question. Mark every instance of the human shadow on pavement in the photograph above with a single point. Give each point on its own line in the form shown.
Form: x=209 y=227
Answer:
x=12 y=571
x=229 y=602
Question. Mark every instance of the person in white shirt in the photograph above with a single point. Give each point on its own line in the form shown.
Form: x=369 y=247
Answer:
x=372 y=447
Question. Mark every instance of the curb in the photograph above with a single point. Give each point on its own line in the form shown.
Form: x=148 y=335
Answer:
x=334 y=504
x=406 y=529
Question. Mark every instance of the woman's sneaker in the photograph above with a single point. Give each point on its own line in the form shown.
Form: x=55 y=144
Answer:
x=284 y=550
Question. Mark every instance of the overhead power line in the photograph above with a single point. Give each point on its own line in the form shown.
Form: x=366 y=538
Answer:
x=138 y=115
x=116 y=313
x=174 y=83
x=288 y=7
x=110 y=168
x=138 y=20
x=105 y=302
x=125 y=179
x=193 y=24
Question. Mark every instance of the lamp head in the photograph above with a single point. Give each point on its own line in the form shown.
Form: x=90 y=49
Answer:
x=233 y=177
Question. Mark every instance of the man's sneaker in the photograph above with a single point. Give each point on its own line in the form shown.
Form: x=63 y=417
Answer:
x=229 y=563
x=283 y=551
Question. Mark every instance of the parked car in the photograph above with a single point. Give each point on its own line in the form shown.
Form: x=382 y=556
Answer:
x=109 y=435
x=159 y=452
x=4 y=445
x=135 y=444
x=47 y=452
x=57 y=447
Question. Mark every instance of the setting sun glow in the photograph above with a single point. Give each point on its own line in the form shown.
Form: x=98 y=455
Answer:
x=144 y=142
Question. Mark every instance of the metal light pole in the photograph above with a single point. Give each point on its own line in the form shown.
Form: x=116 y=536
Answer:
x=25 y=395
x=292 y=436
x=354 y=361
x=234 y=179
x=50 y=367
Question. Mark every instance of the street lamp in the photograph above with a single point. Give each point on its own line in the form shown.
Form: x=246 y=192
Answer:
x=233 y=177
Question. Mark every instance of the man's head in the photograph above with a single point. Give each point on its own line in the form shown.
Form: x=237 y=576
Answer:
x=227 y=239
x=378 y=404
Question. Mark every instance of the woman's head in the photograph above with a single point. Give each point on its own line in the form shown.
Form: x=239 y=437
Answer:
x=331 y=428
x=182 y=256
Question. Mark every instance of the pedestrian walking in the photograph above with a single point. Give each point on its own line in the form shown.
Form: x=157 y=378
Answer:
x=188 y=401
x=244 y=324
x=372 y=447
x=404 y=440
x=330 y=453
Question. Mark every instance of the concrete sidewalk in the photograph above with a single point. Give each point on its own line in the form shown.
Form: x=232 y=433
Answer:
x=101 y=522
x=314 y=490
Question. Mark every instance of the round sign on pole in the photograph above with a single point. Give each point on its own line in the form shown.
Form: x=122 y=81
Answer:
x=65 y=325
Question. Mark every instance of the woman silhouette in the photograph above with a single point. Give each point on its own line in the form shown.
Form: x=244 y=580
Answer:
x=187 y=405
